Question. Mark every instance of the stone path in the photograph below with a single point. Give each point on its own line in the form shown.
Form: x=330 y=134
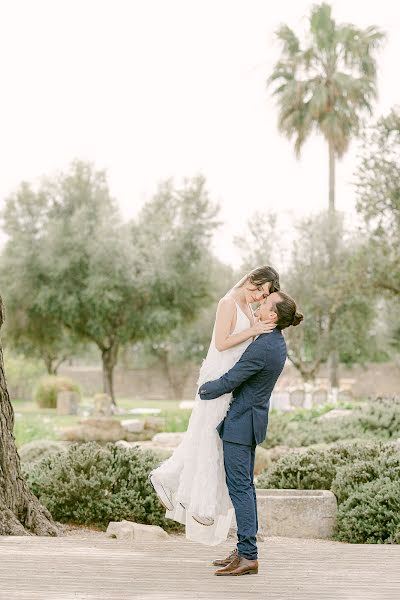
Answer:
x=94 y=568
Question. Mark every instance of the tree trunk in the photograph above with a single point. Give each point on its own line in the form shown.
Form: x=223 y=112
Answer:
x=333 y=358
x=20 y=511
x=109 y=357
x=331 y=179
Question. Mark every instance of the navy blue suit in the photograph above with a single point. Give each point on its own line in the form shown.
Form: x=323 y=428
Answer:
x=251 y=381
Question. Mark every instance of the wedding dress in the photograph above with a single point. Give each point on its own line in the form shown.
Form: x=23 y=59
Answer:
x=195 y=475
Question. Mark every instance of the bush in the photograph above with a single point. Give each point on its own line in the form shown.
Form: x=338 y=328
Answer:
x=371 y=514
x=97 y=484
x=48 y=388
x=34 y=451
x=351 y=476
x=316 y=469
x=375 y=419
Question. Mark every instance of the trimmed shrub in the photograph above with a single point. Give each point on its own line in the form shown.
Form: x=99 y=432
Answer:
x=97 y=484
x=351 y=476
x=34 y=451
x=48 y=388
x=316 y=469
x=371 y=514
x=375 y=419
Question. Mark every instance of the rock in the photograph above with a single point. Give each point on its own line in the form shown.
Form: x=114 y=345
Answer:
x=156 y=423
x=336 y=413
x=170 y=439
x=34 y=451
x=102 y=405
x=133 y=425
x=125 y=444
x=296 y=513
x=101 y=429
x=67 y=402
x=130 y=531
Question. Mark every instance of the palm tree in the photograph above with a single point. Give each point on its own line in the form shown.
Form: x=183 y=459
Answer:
x=327 y=87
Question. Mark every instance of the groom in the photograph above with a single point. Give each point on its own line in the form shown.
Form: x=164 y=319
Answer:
x=251 y=380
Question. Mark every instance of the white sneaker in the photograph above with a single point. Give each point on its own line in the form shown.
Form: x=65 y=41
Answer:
x=203 y=520
x=161 y=493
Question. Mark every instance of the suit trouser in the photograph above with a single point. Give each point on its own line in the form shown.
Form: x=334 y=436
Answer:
x=239 y=470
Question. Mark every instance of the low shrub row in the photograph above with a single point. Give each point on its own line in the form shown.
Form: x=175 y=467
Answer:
x=93 y=484
x=374 y=419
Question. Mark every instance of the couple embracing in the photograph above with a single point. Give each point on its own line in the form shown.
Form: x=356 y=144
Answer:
x=210 y=475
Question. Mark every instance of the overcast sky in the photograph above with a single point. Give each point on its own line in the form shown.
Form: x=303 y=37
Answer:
x=157 y=88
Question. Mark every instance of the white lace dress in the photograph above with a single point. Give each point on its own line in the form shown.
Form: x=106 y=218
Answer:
x=195 y=473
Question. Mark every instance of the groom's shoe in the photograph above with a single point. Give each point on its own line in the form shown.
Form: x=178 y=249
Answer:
x=222 y=562
x=161 y=492
x=239 y=566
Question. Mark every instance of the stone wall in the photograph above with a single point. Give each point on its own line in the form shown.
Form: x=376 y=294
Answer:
x=151 y=384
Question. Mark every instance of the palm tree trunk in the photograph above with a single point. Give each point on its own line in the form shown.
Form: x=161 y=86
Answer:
x=20 y=511
x=331 y=179
x=333 y=359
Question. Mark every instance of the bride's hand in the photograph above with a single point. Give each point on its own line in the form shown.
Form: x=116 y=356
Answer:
x=262 y=327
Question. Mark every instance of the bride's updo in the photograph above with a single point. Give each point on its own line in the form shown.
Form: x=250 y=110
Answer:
x=287 y=312
x=260 y=276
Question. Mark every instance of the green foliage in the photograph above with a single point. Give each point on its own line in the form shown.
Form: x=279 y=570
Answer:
x=371 y=514
x=315 y=469
x=378 y=202
x=375 y=419
x=353 y=474
x=22 y=374
x=93 y=484
x=84 y=276
x=328 y=83
x=48 y=388
x=335 y=298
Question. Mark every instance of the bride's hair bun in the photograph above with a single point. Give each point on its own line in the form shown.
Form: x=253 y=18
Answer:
x=298 y=317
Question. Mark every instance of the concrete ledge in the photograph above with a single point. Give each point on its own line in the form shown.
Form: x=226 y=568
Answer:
x=296 y=513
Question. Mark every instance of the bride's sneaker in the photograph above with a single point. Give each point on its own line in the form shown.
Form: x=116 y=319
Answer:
x=203 y=520
x=163 y=497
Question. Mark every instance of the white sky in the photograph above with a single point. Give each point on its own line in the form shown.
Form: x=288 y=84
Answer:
x=157 y=88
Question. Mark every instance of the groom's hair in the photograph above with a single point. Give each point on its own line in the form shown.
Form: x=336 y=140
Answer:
x=263 y=275
x=287 y=313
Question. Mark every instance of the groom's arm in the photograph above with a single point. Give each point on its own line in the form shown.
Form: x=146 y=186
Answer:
x=251 y=361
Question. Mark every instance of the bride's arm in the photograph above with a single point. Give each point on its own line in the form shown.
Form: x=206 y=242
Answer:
x=223 y=324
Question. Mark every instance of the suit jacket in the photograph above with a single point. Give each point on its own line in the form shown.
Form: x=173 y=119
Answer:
x=251 y=380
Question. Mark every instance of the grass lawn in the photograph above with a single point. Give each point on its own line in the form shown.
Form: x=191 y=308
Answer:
x=33 y=423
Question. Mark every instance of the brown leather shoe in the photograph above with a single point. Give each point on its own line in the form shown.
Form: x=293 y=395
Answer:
x=222 y=562
x=239 y=566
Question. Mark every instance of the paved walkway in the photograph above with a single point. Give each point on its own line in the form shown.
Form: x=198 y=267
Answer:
x=66 y=568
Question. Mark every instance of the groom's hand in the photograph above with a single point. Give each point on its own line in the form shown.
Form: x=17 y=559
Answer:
x=203 y=392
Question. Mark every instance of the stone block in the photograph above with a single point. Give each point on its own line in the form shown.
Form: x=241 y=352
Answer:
x=296 y=513
x=67 y=403
x=102 y=405
x=131 y=531
x=133 y=425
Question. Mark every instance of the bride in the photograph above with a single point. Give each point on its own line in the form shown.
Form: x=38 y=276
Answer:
x=191 y=483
